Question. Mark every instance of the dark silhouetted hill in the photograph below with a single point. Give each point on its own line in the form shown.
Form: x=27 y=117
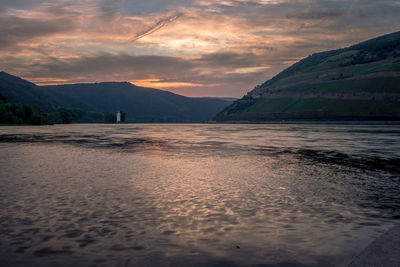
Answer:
x=139 y=103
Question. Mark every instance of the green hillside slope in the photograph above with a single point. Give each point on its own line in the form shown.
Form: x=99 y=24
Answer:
x=139 y=103
x=360 y=82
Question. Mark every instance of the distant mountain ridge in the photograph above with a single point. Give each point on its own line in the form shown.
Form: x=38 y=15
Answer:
x=140 y=104
x=360 y=82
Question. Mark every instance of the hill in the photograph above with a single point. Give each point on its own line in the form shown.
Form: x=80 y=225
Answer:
x=360 y=82
x=139 y=103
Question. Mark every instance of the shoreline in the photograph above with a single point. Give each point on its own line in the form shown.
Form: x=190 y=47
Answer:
x=312 y=122
x=383 y=251
x=227 y=122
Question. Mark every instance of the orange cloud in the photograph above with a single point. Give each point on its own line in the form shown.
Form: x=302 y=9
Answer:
x=159 y=84
x=200 y=47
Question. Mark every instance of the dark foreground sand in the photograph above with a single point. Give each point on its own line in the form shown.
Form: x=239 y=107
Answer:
x=384 y=251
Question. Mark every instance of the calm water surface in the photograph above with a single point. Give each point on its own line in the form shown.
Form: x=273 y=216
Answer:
x=173 y=195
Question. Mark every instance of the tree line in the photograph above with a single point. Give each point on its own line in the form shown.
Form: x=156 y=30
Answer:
x=23 y=114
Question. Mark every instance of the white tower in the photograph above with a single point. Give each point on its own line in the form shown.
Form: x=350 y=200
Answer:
x=118 y=115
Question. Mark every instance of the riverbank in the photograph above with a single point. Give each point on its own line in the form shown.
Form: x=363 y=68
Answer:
x=312 y=122
x=384 y=251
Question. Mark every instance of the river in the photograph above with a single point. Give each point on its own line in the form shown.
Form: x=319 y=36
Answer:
x=196 y=194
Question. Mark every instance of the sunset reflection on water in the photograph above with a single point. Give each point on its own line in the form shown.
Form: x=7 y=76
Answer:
x=196 y=194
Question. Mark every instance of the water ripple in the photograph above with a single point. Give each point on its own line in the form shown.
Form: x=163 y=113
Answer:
x=156 y=195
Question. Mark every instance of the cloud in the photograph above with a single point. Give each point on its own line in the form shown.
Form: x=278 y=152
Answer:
x=108 y=65
x=110 y=8
x=230 y=60
x=154 y=6
x=316 y=14
x=16 y=30
x=6 y=4
x=191 y=76
x=195 y=47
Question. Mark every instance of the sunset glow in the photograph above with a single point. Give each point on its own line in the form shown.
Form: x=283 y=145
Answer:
x=156 y=83
x=194 y=47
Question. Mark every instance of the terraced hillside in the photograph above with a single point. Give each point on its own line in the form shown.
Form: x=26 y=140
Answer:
x=361 y=82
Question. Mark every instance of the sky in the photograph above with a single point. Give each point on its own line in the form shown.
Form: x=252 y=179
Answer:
x=191 y=47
